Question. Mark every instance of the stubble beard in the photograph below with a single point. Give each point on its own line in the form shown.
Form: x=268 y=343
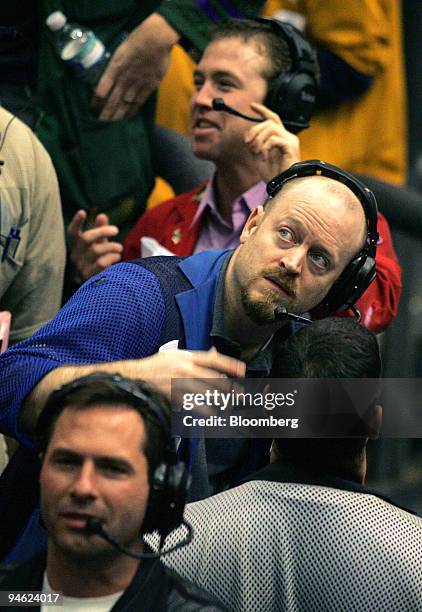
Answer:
x=260 y=312
x=80 y=550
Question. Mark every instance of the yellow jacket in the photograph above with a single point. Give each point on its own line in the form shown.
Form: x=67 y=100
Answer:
x=367 y=135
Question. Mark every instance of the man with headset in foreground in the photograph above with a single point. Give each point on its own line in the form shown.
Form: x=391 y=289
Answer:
x=109 y=474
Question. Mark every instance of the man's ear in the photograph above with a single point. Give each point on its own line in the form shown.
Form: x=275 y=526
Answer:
x=252 y=223
x=375 y=422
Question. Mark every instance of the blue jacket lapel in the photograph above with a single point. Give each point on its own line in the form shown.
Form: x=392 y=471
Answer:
x=197 y=304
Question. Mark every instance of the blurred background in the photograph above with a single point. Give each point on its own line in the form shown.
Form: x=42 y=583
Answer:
x=395 y=466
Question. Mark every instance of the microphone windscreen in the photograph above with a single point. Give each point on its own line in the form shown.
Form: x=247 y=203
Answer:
x=281 y=313
x=218 y=104
x=93 y=525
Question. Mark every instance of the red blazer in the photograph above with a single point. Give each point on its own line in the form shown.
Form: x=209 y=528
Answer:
x=170 y=224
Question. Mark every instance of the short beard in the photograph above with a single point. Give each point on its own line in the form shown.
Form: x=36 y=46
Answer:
x=85 y=554
x=262 y=312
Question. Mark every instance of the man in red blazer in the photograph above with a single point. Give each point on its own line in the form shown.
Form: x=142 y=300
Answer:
x=213 y=214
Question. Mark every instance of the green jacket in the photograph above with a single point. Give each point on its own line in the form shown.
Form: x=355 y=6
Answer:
x=107 y=166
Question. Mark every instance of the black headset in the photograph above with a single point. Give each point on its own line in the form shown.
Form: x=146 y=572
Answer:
x=361 y=271
x=170 y=481
x=292 y=93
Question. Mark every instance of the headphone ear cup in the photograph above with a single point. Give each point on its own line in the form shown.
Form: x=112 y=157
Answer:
x=292 y=96
x=275 y=94
x=167 y=498
x=351 y=284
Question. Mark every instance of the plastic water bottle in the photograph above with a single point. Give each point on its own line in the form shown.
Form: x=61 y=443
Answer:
x=84 y=53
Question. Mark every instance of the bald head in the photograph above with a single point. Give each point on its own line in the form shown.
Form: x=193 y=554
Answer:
x=322 y=185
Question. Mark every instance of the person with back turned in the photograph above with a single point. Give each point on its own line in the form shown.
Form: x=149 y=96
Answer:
x=304 y=532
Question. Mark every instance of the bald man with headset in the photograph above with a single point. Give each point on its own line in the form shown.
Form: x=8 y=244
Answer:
x=314 y=244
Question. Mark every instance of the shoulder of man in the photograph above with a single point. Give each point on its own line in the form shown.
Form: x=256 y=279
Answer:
x=182 y=202
x=184 y=596
x=163 y=220
x=23 y=575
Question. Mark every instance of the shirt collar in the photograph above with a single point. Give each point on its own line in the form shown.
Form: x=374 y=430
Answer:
x=253 y=197
x=286 y=471
x=260 y=365
x=207 y=201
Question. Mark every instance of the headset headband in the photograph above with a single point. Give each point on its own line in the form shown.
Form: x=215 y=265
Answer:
x=57 y=399
x=299 y=48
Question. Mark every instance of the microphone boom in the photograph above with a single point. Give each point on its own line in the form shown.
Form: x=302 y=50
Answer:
x=93 y=525
x=218 y=104
x=282 y=314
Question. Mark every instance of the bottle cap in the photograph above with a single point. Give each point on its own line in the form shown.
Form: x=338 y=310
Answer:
x=56 y=20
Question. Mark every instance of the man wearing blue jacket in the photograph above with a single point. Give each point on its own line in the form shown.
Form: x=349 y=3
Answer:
x=290 y=254
x=220 y=305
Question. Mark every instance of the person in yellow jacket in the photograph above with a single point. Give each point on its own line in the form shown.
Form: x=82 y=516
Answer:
x=360 y=123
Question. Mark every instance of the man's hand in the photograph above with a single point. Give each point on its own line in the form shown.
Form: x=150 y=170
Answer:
x=196 y=367
x=91 y=252
x=135 y=69
x=158 y=369
x=275 y=148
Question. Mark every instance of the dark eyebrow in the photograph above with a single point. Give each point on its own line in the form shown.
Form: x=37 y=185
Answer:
x=225 y=74
x=101 y=460
x=218 y=74
x=65 y=452
x=115 y=462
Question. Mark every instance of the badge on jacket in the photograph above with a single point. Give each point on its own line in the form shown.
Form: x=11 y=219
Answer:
x=176 y=236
